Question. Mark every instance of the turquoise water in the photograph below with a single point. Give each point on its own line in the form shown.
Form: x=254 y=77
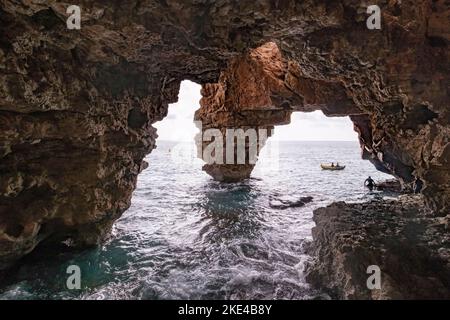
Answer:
x=188 y=237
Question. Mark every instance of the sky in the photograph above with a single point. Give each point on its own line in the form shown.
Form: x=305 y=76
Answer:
x=312 y=126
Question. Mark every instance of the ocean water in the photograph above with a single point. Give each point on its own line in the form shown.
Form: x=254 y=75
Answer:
x=188 y=237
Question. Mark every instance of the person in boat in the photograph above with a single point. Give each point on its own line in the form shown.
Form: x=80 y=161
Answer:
x=369 y=183
x=337 y=164
x=332 y=164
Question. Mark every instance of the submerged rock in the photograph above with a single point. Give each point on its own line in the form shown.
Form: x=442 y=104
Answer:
x=283 y=203
x=409 y=245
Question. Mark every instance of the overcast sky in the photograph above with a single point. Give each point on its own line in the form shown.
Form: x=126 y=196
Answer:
x=313 y=126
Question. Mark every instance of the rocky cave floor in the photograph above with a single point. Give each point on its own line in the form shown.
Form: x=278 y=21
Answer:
x=409 y=244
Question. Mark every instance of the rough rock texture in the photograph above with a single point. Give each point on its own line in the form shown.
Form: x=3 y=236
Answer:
x=77 y=106
x=391 y=185
x=251 y=95
x=410 y=246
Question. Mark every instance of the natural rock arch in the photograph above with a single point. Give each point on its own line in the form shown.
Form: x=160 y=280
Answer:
x=262 y=89
x=77 y=106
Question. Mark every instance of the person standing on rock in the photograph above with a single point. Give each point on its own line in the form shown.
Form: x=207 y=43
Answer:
x=418 y=185
x=369 y=183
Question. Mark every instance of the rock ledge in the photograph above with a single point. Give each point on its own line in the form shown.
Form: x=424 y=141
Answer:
x=409 y=244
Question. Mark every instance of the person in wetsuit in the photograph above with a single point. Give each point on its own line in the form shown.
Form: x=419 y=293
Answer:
x=369 y=183
x=418 y=185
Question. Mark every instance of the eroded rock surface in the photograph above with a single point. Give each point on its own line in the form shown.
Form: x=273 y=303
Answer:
x=251 y=95
x=77 y=106
x=410 y=245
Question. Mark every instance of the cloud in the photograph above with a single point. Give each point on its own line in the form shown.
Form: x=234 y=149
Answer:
x=170 y=117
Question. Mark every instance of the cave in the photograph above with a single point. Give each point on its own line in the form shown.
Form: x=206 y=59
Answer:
x=77 y=107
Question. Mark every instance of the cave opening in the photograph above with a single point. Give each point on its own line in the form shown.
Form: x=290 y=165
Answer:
x=178 y=125
x=207 y=236
x=77 y=109
x=202 y=237
x=312 y=136
x=177 y=134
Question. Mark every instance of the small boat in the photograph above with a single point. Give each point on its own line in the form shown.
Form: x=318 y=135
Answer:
x=330 y=167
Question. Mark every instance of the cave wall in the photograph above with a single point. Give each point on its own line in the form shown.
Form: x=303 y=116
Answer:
x=77 y=106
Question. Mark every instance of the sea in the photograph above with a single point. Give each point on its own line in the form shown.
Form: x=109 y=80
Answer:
x=186 y=236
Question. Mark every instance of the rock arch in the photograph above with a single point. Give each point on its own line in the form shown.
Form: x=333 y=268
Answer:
x=77 y=106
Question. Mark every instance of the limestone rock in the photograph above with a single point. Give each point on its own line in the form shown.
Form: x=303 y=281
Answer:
x=77 y=106
x=409 y=245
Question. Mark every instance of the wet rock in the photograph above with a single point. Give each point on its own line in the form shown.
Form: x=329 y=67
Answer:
x=392 y=185
x=284 y=203
x=407 y=242
x=244 y=99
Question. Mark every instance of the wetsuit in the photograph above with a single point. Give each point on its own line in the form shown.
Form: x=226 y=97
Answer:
x=369 y=183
